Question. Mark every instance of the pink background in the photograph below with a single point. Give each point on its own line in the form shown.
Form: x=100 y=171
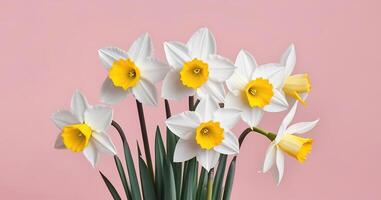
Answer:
x=49 y=48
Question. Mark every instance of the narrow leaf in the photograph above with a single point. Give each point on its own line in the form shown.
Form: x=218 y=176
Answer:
x=146 y=179
x=218 y=179
x=201 y=188
x=177 y=167
x=135 y=191
x=110 y=187
x=170 y=187
x=189 y=180
x=122 y=176
x=159 y=159
x=229 y=180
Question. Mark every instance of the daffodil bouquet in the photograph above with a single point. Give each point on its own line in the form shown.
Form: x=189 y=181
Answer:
x=192 y=161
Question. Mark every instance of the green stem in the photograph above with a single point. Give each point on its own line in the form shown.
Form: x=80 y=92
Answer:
x=143 y=128
x=191 y=103
x=269 y=135
x=210 y=184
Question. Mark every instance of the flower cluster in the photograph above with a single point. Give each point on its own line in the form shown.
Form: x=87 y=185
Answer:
x=226 y=92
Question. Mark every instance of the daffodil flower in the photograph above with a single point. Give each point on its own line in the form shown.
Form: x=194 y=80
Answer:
x=286 y=141
x=296 y=86
x=255 y=89
x=83 y=128
x=196 y=68
x=135 y=71
x=205 y=133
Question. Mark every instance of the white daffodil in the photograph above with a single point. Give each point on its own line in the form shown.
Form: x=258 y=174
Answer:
x=254 y=89
x=134 y=71
x=205 y=133
x=296 y=86
x=83 y=128
x=286 y=141
x=196 y=68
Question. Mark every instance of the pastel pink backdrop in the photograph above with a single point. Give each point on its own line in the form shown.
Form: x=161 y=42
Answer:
x=49 y=48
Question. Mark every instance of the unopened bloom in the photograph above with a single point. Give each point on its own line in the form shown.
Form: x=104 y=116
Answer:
x=135 y=71
x=296 y=86
x=287 y=142
x=205 y=133
x=255 y=89
x=83 y=128
x=196 y=68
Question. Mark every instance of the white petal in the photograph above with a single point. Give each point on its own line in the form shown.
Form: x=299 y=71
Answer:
x=172 y=87
x=228 y=117
x=79 y=105
x=59 y=143
x=176 y=53
x=273 y=72
x=206 y=108
x=269 y=158
x=111 y=94
x=286 y=121
x=91 y=153
x=208 y=158
x=278 y=103
x=301 y=127
x=280 y=165
x=185 y=150
x=288 y=60
x=246 y=64
x=141 y=48
x=237 y=82
x=184 y=124
x=153 y=70
x=99 y=118
x=202 y=44
x=229 y=145
x=63 y=118
x=213 y=89
x=109 y=55
x=145 y=92
x=252 y=116
x=235 y=101
x=220 y=68
x=103 y=142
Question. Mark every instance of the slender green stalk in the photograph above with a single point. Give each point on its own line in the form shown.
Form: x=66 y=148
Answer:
x=269 y=135
x=210 y=184
x=145 y=136
x=191 y=103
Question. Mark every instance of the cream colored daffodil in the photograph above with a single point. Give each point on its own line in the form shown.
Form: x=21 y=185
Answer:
x=295 y=86
x=196 y=68
x=205 y=133
x=286 y=141
x=255 y=89
x=83 y=128
x=135 y=71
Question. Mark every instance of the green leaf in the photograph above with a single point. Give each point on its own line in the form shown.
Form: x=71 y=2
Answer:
x=229 y=180
x=169 y=187
x=135 y=191
x=201 y=188
x=177 y=167
x=159 y=159
x=218 y=179
x=122 y=176
x=110 y=187
x=146 y=179
x=189 y=180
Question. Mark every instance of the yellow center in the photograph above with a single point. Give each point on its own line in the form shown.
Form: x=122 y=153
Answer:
x=297 y=84
x=76 y=137
x=194 y=73
x=209 y=134
x=124 y=73
x=258 y=92
x=295 y=146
